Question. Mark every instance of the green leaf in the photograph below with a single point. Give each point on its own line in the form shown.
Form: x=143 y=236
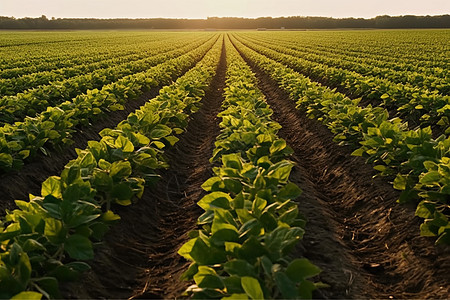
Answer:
x=286 y=286
x=109 y=216
x=52 y=186
x=120 y=169
x=125 y=144
x=206 y=277
x=380 y=168
x=186 y=249
x=289 y=216
x=277 y=146
x=425 y=210
x=171 y=139
x=27 y=296
x=301 y=269
x=215 y=199
x=289 y=192
x=358 y=152
x=233 y=285
x=232 y=161
x=267 y=265
x=190 y=272
x=70 y=271
x=205 y=255
x=240 y=268
x=79 y=247
x=102 y=181
x=50 y=286
x=431 y=177
x=306 y=288
x=32 y=245
x=122 y=193
x=236 y=297
x=6 y=160
x=160 y=131
x=252 y=287
x=73 y=173
x=281 y=170
x=211 y=184
x=24 y=154
x=400 y=182
x=158 y=144
x=54 y=230
x=142 y=139
x=258 y=205
x=219 y=237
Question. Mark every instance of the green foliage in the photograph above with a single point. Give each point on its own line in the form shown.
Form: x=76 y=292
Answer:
x=250 y=223
x=53 y=127
x=45 y=240
x=413 y=159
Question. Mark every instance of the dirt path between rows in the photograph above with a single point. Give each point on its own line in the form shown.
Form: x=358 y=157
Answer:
x=28 y=180
x=367 y=245
x=139 y=257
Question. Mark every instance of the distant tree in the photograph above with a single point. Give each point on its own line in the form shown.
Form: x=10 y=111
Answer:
x=293 y=22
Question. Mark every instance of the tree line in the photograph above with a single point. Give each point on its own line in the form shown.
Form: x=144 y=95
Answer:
x=295 y=22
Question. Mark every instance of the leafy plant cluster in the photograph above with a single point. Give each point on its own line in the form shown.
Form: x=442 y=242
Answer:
x=419 y=163
x=29 y=103
x=401 y=72
x=47 y=239
x=251 y=223
x=54 y=126
x=415 y=104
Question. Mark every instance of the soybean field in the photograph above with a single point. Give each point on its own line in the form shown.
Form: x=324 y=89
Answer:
x=225 y=164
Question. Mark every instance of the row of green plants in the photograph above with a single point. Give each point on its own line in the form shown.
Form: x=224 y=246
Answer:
x=29 y=103
x=12 y=86
x=251 y=223
x=397 y=72
x=53 y=128
x=418 y=106
x=418 y=164
x=363 y=66
x=48 y=239
x=425 y=53
x=31 y=52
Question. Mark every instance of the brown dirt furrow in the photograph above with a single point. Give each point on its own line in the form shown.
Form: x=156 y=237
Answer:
x=139 y=256
x=367 y=245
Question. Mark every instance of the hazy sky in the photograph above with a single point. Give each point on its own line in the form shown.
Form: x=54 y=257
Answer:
x=220 y=8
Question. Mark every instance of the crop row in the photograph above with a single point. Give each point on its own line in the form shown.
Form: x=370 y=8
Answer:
x=54 y=127
x=251 y=223
x=47 y=53
x=419 y=163
x=15 y=108
x=46 y=240
x=363 y=49
x=366 y=67
x=420 y=51
x=416 y=105
x=12 y=86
